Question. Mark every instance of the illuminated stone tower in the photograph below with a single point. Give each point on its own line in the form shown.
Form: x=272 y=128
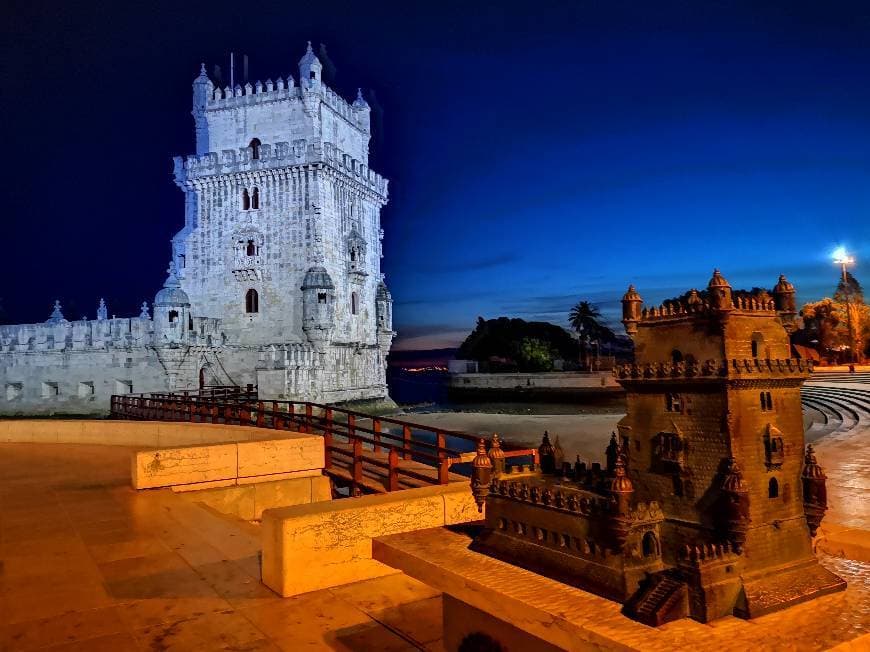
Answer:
x=714 y=433
x=282 y=236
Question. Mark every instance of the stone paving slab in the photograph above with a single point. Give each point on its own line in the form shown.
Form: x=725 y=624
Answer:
x=89 y=564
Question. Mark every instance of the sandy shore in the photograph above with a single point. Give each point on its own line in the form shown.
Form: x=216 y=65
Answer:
x=585 y=435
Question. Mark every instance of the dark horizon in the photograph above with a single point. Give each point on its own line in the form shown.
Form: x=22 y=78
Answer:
x=537 y=154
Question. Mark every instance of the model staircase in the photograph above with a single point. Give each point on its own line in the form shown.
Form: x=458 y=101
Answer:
x=663 y=597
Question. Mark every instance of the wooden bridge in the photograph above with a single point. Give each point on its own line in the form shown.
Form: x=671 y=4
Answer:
x=363 y=452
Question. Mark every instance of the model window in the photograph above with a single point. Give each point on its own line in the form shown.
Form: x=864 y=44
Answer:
x=321 y=297
x=766 y=401
x=173 y=316
x=255 y=198
x=673 y=402
x=252 y=301
x=255 y=148
x=676 y=356
x=246 y=200
x=251 y=249
x=354 y=303
x=773 y=488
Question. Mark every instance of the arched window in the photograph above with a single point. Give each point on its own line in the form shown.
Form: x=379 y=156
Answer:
x=255 y=198
x=773 y=488
x=649 y=544
x=676 y=356
x=252 y=301
x=173 y=316
x=312 y=75
x=189 y=322
x=255 y=148
x=251 y=249
x=354 y=303
x=246 y=200
x=768 y=400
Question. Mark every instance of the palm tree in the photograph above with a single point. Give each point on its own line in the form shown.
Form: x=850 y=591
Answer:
x=585 y=319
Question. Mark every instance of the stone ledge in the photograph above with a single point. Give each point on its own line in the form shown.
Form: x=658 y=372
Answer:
x=333 y=541
x=227 y=464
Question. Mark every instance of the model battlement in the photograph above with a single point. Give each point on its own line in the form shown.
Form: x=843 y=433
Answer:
x=713 y=369
x=718 y=304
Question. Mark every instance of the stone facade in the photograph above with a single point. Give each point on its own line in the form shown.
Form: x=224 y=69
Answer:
x=274 y=278
x=709 y=501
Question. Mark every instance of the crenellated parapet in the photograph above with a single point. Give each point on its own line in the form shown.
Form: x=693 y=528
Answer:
x=734 y=368
x=673 y=310
x=83 y=334
x=277 y=155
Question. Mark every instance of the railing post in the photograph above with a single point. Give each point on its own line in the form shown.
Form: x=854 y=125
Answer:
x=308 y=415
x=443 y=470
x=357 y=464
x=261 y=416
x=351 y=426
x=406 y=442
x=214 y=414
x=327 y=448
x=393 y=482
x=376 y=426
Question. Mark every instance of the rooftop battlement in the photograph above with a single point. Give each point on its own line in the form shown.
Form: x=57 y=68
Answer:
x=277 y=155
x=718 y=304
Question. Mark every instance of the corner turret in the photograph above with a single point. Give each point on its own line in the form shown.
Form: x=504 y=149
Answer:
x=310 y=69
x=363 y=111
x=784 y=300
x=318 y=306
x=203 y=89
x=720 y=293
x=631 y=303
x=384 y=315
x=171 y=311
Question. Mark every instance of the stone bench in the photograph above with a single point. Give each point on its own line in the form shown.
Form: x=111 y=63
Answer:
x=327 y=544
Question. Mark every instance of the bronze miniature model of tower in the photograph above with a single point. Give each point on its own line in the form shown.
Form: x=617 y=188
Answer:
x=709 y=501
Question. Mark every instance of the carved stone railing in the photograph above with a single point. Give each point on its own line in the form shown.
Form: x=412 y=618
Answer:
x=706 y=553
x=712 y=369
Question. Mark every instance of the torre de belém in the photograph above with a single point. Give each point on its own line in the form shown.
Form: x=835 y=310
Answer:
x=274 y=278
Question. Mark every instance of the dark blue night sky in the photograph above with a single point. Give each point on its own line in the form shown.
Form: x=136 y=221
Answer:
x=539 y=153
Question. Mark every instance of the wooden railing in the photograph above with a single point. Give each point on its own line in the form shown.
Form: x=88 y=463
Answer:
x=357 y=445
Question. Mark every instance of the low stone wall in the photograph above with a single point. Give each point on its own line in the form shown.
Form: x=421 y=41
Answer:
x=294 y=455
x=333 y=541
x=249 y=501
x=151 y=434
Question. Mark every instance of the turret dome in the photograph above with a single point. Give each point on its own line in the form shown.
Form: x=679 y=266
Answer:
x=718 y=281
x=171 y=294
x=317 y=278
x=783 y=286
x=308 y=58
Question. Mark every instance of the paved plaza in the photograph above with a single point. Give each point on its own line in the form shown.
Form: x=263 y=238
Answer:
x=87 y=563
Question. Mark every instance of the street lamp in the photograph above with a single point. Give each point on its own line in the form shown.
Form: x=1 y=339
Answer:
x=842 y=259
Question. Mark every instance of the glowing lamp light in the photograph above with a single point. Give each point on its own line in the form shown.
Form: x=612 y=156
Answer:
x=841 y=257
